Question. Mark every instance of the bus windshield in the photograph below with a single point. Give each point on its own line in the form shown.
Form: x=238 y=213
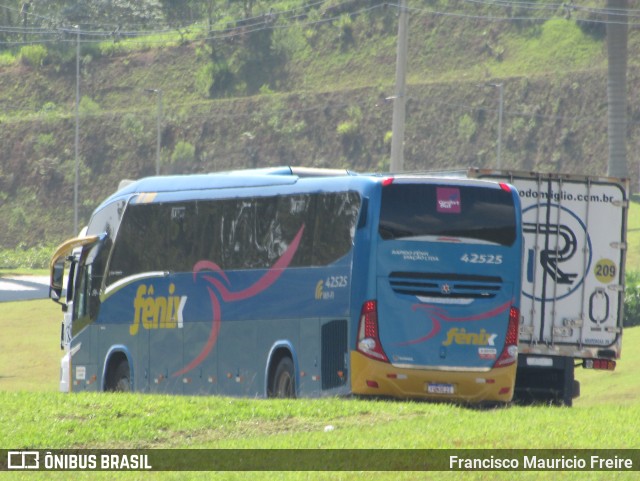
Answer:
x=431 y=210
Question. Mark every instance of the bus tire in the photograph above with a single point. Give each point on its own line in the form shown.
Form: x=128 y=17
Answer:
x=284 y=380
x=120 y=378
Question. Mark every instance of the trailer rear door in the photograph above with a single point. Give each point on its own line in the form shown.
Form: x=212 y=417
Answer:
x=573 y=270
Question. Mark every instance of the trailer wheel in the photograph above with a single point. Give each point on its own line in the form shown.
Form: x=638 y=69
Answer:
x=120 y=378
x=284 y=381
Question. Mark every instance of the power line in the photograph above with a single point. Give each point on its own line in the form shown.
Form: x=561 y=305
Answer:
x=296 y=18
x=297 y=11
x=214 y=35
x=554 y=7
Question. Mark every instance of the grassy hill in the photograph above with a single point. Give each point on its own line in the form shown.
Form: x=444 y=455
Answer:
x=308 y=92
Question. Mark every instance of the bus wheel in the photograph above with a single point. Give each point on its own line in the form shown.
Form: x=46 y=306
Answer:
x=284 y=381
x=119 y=380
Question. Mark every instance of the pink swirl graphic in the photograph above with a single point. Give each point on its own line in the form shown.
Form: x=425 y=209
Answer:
x=227 y=295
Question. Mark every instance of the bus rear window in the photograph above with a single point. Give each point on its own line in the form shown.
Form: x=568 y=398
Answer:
x=412 y=211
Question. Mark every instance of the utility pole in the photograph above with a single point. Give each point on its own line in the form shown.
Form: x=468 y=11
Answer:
x=500 y=110
x=158 y=92
x=159 y=132
x=24 y=11
x=617 y=53
x=399 y=99
x=77 y=136
x=500 y=88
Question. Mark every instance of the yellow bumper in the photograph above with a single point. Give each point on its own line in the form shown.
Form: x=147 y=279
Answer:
x=375 y=378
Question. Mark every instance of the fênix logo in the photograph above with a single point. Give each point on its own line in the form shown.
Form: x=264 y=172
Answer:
x=23 y=460
x=462 y=337
x=157 y=311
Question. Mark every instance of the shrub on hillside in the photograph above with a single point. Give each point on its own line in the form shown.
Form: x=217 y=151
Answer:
x=184 y=154
x=347 y=129
x=33 y=55
x=48 y=109
x=23 y=257
x=632 y=299
x=204 y=79
x=88 y=106
x=350 y=128
x=7 y=58
x=214 y=79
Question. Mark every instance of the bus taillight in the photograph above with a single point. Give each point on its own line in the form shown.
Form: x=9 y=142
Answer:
x=368 y=336
x=510 y=350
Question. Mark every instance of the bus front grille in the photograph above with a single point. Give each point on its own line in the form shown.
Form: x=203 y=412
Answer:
x=439 y=285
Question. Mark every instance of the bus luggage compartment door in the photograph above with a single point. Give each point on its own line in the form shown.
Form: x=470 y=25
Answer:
x=334 y=354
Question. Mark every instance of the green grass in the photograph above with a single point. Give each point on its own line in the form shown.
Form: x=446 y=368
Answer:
x=34 y=415
x=150 y=421
x=159 y=40
x=29 y=346
x=557 y=42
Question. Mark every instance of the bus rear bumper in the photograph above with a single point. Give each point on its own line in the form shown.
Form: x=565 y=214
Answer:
x=375 y=378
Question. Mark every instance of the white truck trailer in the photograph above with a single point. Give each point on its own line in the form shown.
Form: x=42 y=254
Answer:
x=573 y=278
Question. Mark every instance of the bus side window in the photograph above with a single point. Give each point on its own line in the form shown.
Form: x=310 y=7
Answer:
x=210 y=232
x=80 y=302
x=238 y=234
x=71 y=280
x=267 y=227
x=336 y=220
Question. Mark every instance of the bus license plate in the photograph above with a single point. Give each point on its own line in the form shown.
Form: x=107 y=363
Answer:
x=440 y=388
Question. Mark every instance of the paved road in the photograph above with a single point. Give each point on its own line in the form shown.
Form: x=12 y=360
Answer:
x=24 y=288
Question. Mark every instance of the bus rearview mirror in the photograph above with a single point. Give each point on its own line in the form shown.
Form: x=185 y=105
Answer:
x=57 y=276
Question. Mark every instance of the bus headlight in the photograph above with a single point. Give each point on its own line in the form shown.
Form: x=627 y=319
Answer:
x=65 y=373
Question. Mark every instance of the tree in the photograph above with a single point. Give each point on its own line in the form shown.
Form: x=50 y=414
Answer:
x=97 y=13
x=180 y=12
x=7 y=18
x=617 y=87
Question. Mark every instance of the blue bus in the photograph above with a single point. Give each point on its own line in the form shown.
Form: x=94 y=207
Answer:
x=289 y=281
